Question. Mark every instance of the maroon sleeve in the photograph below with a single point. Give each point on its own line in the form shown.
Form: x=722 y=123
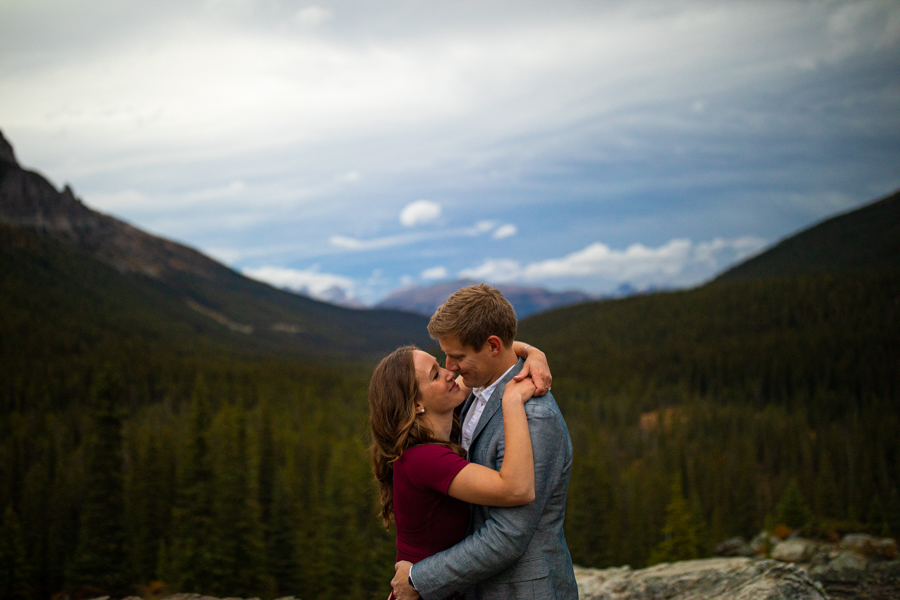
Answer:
x=433 y=467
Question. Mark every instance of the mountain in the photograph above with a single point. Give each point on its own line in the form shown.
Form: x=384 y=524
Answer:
x=864 y=239
x=59 y=259
x=526 y=300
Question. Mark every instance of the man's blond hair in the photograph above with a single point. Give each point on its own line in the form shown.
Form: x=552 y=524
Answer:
x=473 y=314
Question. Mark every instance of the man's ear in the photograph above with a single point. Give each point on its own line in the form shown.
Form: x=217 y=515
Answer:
x=495 y=343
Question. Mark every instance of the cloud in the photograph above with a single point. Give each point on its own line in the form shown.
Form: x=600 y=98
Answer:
x=677 y=262
x=418 y=212
x=494 y=270
x=311 y=282
x=435 y=273
x=355 y=244
x=505 y=231
x=312 y=16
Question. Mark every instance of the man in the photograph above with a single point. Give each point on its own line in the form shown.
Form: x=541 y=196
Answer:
x=517 y=552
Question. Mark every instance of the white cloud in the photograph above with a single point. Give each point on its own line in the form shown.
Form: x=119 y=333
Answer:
x=355 y=244
x=505 y=231
x=678 y=261
x=435 y=273
x=418 y=212
x=312 y=16
x=498 y=270
x=310 y=281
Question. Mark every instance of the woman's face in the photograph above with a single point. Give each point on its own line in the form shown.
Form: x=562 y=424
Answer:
x=438 y=392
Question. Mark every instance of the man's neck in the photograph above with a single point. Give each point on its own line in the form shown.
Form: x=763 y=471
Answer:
x=505 y=360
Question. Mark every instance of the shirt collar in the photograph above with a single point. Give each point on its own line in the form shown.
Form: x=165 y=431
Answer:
x=484 y=393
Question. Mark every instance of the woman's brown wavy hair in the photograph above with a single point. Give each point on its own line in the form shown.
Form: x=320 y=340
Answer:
x=393 y=391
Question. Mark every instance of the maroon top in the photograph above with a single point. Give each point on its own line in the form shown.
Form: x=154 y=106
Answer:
x=427 y=519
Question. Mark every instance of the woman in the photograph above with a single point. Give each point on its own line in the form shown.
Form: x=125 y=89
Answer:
x=425 y=481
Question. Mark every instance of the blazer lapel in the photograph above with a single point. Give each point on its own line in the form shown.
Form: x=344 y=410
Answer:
x=495 y=402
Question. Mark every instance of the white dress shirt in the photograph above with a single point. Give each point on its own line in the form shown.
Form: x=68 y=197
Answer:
x=470 y=421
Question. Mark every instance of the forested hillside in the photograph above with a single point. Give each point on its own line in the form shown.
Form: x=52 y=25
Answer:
x=732 y=390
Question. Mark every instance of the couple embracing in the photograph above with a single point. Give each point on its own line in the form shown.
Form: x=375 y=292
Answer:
x=473 y=460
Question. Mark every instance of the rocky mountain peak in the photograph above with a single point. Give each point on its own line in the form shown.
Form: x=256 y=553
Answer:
x=28 y=200
x=6 y=151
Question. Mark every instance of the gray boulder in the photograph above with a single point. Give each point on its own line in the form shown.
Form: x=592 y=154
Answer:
x=709 y=579
x=848 y=567
x=871 y=546
x=797 y=550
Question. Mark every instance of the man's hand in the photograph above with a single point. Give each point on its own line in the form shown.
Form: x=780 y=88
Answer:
x=400 y=582
x=537 y=368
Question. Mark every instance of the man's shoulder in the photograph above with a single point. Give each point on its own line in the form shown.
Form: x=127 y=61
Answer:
x=543 y=407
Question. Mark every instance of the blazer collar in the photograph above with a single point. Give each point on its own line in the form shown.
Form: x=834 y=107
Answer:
x=494 y=402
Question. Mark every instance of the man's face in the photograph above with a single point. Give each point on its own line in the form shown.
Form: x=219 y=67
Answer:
x=475 y=366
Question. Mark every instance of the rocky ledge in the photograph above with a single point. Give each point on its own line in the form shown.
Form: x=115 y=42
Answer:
x=859 y=567
x=707 y=579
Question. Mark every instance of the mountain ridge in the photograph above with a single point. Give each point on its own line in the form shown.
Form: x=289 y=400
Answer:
x=189 y=287
x=862 y=239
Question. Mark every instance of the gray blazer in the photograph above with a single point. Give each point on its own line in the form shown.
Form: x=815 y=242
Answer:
x=517 y=552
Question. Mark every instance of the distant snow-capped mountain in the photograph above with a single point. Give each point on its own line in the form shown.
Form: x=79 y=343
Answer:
x=526 y=300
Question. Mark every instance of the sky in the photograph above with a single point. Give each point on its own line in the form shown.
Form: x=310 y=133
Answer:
x=378 y=145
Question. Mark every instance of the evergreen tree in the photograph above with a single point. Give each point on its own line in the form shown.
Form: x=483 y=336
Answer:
x=148 y=510
x=680 y=533
x=792 y=509
x=588 y=512
x=237 y=548
x=267 y=466
x=826 y=497
x=98 y=564
x=189 y=553
x=15 y=573
x=877 y=520
x=281 y=543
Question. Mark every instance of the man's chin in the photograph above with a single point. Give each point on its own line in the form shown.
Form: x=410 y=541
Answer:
x=471 y=384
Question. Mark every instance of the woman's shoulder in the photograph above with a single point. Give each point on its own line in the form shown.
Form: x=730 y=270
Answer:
x=426 y=452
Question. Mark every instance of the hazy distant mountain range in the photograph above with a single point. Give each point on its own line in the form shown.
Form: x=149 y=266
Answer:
x=526 y=300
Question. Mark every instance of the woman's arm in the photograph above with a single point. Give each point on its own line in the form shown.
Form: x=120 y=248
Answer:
x=535 y=367
x=513 y=485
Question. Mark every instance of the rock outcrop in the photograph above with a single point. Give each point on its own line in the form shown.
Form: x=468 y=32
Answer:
x=860 y=567
x=709 y=579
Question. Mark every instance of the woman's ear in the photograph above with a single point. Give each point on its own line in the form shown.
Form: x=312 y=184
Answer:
x=419 y=408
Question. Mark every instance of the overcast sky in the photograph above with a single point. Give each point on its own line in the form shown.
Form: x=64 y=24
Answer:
x=373 y=145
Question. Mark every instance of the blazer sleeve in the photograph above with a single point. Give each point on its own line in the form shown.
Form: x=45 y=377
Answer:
x=505 y=536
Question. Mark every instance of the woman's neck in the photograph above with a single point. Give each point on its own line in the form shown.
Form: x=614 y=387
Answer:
x=441 y=426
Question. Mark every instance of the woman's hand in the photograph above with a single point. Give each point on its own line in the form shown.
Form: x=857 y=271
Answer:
x=519 y=391
x=537 y=369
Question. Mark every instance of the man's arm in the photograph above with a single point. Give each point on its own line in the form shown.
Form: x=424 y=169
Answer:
x=505 y=536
